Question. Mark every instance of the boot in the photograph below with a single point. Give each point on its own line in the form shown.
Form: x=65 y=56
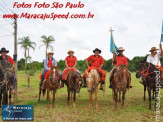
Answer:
x=141 y=82
x=102 y=86
x=62 y=85
x=43 y=84
x=85 y=84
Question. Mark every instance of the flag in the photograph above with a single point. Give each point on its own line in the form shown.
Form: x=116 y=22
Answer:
x=162 y=33
x=113 y=47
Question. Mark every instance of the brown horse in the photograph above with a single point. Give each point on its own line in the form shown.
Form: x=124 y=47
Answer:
x=7 y=80
x=93 y=79
x=51 y=85
x=73 y=82
x=121 y=81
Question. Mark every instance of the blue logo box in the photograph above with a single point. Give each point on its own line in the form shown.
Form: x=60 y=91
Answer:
x=17 y=112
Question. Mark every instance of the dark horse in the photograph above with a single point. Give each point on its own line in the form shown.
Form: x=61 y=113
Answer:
x=6 y=82
x=51 y=85
x=147 y=71
x=73 y=82
x=121 y=81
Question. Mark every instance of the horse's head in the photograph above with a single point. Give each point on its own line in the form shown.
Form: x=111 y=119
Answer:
x=141 y=67
x=53 y=75
x=92 y=77
x=123 y=70
x=78 y=83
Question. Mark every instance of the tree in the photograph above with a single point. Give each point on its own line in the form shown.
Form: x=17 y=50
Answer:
x=26 y=44
x=47 y=41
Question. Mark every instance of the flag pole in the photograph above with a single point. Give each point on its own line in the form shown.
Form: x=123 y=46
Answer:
x=114 y=55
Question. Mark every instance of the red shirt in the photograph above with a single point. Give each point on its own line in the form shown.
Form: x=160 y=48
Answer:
x=50 y=63
x=71 y=61
x=96 y=61
x=10 y=60
x=121 y=60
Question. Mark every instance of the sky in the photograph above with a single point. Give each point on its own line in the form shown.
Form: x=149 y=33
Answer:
x=136 y=23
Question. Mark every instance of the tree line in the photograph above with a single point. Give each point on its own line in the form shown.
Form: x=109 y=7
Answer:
x=81 y=65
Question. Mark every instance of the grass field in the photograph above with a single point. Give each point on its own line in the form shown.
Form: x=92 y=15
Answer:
x=136 y=109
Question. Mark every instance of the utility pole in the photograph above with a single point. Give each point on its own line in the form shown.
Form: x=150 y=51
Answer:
x=15 y=54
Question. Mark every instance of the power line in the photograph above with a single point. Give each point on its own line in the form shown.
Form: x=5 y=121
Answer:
x=6 y=20
x=6 y=29
x=7 y=6
x=6 y=35
x=4 y=8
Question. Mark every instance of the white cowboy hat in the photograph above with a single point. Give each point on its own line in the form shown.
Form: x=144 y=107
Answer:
x=50 y=52
x=121 y=49
x=70 y=51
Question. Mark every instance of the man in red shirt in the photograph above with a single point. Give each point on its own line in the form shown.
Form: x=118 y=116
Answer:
x=70 y=63
x=95 y=62
x=118 y=60
x=6 y=58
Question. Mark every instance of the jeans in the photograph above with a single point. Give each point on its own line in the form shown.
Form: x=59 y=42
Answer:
x=42 y=76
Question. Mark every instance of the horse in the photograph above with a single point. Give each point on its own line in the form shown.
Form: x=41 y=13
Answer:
x=92 y=80
x=73 y=82
x=147 y=71
x=7 y=79
x=121 y=81
x=50 y=85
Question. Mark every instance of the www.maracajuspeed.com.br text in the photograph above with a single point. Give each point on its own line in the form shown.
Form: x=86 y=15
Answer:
x=52 y=16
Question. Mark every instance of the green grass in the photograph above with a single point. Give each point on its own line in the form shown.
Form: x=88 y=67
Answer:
x=136 y=109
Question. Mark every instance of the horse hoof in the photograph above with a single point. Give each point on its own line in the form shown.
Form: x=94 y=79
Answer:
x=122 y=107
x=89 y=108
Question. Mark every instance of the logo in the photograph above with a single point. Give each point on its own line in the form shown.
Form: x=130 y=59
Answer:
x=17 y=112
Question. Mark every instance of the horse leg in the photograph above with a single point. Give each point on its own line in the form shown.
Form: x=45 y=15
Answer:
x=39 y=94
x=48 y=98
x=71 y=96
x=154 y=93
x=54 y=91
x=74 y=98
x=68 y=99
x=90 y=100
x=96 y=104
x=123 y=98
x=9 y=96
x=0 y=99
x=144 y=91
x=149 y=94
x=5 y=98
x=116 y=98
x=119 y=96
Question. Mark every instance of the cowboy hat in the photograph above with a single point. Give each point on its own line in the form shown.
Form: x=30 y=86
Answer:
x=4 y=50
x=70 y=51
x=121 y=49
x=50 y=52
x=153 y=49
x=96 y=50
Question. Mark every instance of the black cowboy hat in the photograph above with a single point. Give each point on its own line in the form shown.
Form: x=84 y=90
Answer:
x=4 y=50
x=97 y=50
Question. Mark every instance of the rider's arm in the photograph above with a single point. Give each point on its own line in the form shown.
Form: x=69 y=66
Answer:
x=102 y=62
x=86 y=61
x=66 y=64
x=46 y=64
x=75 y=62
x=11 y=61
x=114 y=59
x=161 y=53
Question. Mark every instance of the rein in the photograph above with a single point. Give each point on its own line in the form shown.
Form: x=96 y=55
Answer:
x=146 y=72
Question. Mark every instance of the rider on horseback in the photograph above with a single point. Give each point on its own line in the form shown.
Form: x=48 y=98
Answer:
x=118 y=60
x=154 y=58
x=70 y=62
x=8 y=59
x=95 y=62
x=48 y=62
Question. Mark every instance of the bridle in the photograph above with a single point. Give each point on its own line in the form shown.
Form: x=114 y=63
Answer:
x=145 y=72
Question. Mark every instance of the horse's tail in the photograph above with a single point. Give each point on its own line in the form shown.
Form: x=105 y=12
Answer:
x=43 y=92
